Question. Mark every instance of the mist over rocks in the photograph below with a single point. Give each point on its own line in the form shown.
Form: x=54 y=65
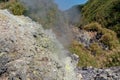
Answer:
x=47 y=13
x=73 y=15
x=27 y=52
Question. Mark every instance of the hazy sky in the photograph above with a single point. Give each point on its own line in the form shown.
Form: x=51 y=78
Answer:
x=65 y=4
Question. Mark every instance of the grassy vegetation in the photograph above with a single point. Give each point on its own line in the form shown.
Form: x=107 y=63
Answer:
x=86 y=59
x=17 y=8
x=108 y=37
x=105 y=12
x=95 y=55
x=100 y=16
x=94 y=26
x=96 y=50
x=103 y=17
x=113 y=60
x=14 y=6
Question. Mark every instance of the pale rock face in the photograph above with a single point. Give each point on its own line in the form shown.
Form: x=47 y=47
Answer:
x=27 y=52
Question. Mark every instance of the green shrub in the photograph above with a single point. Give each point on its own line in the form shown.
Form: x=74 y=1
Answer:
x=100 y=59
x=108 y=37
x=116 y=28
x=105 y=12
x=96 y=49
x=102 y=17
x=94 y=26
x=95 y=55
x=16 y=8
x=113 y=60
x=86 y=59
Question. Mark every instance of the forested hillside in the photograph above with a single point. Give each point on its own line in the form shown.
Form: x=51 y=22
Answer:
x=105 y=12
x=98 y=39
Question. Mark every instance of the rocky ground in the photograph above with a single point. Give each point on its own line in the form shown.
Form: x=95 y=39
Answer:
x=86 y=38
x=27 y=52
x=100 y=74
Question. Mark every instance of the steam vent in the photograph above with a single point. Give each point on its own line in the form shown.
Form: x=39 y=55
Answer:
x=27 y=52
x=59 y=39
